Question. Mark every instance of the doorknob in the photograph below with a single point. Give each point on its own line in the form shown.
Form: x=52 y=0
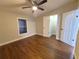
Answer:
x=77 y=16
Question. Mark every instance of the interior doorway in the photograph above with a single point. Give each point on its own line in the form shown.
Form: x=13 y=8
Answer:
x=53 y=25
x=50 y=26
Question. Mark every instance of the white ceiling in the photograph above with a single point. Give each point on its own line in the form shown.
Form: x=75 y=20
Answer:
x=16 y=6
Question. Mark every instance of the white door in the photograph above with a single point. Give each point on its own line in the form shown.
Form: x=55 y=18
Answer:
x=46 y=21
x=68 y=22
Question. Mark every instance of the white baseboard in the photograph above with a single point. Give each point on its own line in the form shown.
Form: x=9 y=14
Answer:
x=57 y=38
x=48 y=36
x=2 y=44
x=42 y=35
x=39 y=34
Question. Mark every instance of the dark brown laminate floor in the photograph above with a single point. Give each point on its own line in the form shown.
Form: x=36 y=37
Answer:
x=36 y=47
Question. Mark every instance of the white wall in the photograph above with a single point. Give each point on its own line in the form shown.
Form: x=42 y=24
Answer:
x=53 y=24
x=39 y=25
x=9 y=26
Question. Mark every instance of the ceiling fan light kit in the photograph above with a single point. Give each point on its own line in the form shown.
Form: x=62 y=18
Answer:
x=36 y=5
x=34 y=8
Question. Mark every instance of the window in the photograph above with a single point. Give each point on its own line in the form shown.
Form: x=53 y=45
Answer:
x=22 y=26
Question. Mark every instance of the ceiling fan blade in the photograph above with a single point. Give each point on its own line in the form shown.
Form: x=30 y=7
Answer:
x=35 y=2
x=41 y=8
x=25 y=7
x=42 y=2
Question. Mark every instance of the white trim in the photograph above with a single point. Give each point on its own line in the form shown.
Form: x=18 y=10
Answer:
x=57 y=38
x=40 y=34
x=47 y=35
x=2 y=44
x=16 y=39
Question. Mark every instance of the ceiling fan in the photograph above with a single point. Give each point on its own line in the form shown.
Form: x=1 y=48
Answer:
x=35 y=5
